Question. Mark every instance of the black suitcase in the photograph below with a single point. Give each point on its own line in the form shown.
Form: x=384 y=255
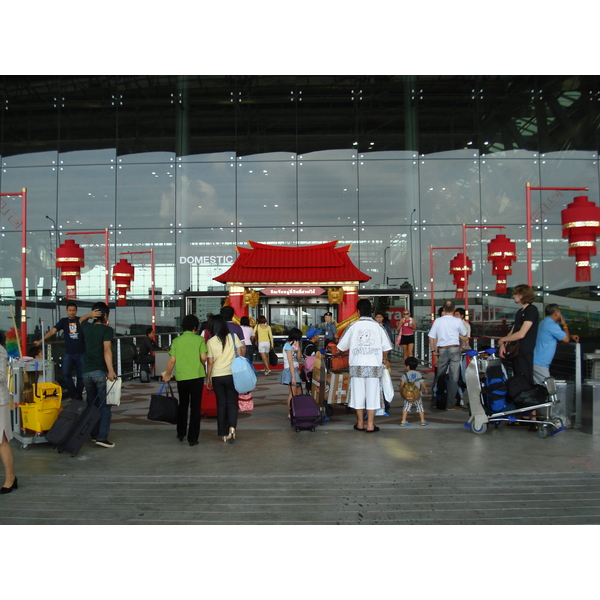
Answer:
x=73 y=426
x=304 y=412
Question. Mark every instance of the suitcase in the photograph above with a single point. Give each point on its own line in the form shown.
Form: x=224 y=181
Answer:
x=73 y=426
x=441 y=394
x=304 y=413
x=208 y=406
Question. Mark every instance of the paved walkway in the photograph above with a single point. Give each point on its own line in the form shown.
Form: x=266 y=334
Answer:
x=439 y=474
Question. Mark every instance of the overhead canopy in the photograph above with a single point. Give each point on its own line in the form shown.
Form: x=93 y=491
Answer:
x=321 y=264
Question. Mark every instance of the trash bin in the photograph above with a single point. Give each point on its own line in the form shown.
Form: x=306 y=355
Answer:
x=590 y=407
x=565 y=409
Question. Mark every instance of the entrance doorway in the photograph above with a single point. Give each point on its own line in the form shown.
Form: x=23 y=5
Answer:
x=283 y=317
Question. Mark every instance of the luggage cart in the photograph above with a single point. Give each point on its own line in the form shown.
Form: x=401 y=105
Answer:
x=31 y=420
x=480 y=416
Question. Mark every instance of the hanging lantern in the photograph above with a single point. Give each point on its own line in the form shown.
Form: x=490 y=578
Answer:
x=501 y=253
x=461 y=276
x=123 y=275
x=581 y=224
x=69 y=259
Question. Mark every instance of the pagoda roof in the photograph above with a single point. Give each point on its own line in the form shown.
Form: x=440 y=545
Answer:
x=320 y=264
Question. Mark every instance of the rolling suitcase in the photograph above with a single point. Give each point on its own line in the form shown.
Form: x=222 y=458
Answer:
x=304 y=413
x=73 y=426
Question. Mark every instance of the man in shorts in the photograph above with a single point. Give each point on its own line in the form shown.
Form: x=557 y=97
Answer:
x=369 y=345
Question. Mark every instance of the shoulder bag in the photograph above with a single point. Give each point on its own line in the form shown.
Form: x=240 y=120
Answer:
x=244 y=375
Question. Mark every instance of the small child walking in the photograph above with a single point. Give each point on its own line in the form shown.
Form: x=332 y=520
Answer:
x=412 y=386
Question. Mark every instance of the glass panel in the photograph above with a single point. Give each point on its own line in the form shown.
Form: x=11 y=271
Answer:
x=206 y=194
x=266 y=193
x=33 y=159
x=560 y=172
x=449 y=191
x=386 y=257
x=389 y=190
x=203 y=254
x=503 y=184
x=106 y=156
x=327 y=193
x=86 y=198
x=41 y=193
x=146 y=195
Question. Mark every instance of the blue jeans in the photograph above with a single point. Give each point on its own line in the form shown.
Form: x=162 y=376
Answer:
x=95 y=386
x=70 y=361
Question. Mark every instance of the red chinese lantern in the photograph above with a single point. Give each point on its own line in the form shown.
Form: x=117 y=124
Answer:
x=501 y=252
x=69 y=259
x=461 y=276
x=123 y=276
x=581 y=224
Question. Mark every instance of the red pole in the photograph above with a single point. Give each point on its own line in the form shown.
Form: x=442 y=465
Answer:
x=528 y=218
x=466 y=279
x=152 y=278
x=431 y=278
x=24 y=271
x=106 y=269
x=153 y=303
x=106 y=281
x=431 y=283
x=528 y=189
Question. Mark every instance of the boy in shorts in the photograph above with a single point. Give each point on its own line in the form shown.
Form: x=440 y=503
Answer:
x=415 y=377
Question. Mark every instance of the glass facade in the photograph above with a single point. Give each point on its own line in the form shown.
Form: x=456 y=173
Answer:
x=192 y=167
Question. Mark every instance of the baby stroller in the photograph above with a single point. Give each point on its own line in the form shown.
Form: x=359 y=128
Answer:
x=489 y=401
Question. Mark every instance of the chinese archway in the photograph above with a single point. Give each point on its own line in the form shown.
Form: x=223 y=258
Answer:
x=323 y=265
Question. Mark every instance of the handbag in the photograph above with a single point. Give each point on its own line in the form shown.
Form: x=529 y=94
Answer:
x=511 y=350
x=273 y=358
x=244 y=375
x=163 y=407
x=113 y=394
x=245 y=402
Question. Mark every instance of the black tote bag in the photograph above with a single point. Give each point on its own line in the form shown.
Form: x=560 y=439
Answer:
x=273 y=358
x=163 y=407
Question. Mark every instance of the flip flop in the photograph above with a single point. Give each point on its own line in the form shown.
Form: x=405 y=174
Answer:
x=359 y=428
x=372 y=430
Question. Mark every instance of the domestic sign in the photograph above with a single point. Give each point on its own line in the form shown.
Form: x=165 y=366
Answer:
x=293 y=291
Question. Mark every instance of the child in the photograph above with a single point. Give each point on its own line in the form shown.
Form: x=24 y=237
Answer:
x=412 y=387
x=310 y=349
x=290 y=375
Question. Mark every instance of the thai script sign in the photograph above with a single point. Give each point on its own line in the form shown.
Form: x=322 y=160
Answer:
x=293 y=291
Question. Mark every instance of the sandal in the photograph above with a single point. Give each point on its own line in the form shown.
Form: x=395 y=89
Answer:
x=359 y=428
x=404 y=424
x=372 y=430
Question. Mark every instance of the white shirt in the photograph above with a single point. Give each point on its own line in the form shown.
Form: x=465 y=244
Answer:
x=367 y=341
x=446 y=330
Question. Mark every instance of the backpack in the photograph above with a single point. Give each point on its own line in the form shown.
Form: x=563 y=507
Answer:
x=410 y=391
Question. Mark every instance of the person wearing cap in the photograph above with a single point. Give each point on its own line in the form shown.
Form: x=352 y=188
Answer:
x=330 y=329
x=309 y=351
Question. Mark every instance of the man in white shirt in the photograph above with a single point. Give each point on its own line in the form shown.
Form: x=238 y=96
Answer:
x=369 y=345
x=444 y=340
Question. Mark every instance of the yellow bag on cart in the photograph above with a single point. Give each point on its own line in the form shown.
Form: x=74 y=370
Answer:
x=40 y=415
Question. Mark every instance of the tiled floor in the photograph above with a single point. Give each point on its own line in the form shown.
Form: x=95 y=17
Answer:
x=439 y=474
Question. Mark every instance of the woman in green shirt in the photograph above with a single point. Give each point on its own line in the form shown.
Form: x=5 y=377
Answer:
x=188 y=351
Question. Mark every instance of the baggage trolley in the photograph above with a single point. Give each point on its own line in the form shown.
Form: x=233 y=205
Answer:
x=480 y=416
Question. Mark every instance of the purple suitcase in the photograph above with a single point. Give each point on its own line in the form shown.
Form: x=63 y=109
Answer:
x=304 y=412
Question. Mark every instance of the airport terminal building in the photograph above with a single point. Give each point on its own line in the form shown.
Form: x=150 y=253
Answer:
x=389 y=168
